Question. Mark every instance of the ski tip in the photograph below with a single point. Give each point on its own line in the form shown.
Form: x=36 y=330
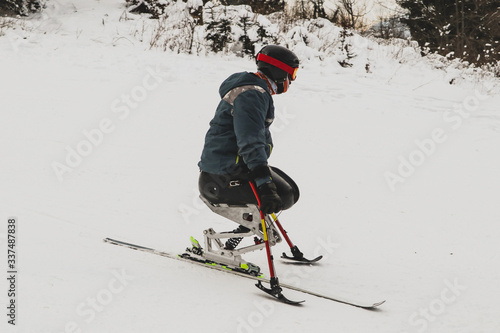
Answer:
x=285 y=300
x=378 y=304
x=109 y=240
x=373 y=306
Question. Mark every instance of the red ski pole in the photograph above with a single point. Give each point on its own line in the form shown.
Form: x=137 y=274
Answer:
x=275 y=290
x=264 y=230
x=283 y=232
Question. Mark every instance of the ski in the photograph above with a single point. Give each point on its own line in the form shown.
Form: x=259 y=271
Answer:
x=260 y=279
x=184 y=257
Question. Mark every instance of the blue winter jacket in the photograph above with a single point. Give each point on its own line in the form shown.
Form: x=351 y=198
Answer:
x=239 y=132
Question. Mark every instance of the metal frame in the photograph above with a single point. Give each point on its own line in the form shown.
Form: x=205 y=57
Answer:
x=214 y=247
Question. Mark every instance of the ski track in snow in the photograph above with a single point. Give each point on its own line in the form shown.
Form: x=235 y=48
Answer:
x=430 y=247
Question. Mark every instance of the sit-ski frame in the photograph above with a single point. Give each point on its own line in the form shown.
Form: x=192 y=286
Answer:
x=215 y=247
x=236 y=213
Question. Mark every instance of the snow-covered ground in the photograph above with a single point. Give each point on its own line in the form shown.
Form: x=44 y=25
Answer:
x=398 y=171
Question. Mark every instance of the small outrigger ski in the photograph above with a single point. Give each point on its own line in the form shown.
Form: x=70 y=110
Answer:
x=301 y=260
x=298 y=256
x=275 y=292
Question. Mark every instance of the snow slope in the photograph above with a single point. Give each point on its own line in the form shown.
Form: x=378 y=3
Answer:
x=427 y=242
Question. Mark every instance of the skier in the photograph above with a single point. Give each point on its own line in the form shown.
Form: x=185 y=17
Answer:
x=238 y=142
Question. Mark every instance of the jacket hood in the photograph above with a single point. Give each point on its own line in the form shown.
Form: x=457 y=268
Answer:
x=241 y=79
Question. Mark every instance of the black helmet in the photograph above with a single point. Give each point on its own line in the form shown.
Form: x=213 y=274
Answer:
x=278 y=63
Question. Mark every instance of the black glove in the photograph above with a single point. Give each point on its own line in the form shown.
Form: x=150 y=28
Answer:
x=270 y=201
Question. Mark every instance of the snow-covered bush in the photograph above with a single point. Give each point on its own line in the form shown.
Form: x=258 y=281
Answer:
x=263 y=7
x=175 y=30
x=246 y=42
x=236 y=28
x=388 y=28
x=241 y=31
x=6 y=23
x=160 y=8
x=156 y=8
x=20 y=7
x=218 y=29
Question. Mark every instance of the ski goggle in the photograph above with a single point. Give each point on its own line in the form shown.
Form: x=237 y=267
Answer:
x=292 y=72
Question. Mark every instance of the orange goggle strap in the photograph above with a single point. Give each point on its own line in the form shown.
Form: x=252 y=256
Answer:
x=281 y=65
x=264 y=77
